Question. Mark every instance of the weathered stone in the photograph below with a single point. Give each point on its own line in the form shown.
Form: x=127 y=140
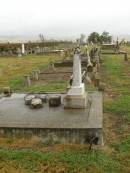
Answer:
x=89 y=64
x=75 y=102
x=54 y=101
x=27 y=80
x=35 y=75
x=52 y=65
x=7 y=91
x=126 y=57
x=43 y=98
x=96 y=80
x=88 y=79
x=28 y=98
x=19 y=52
x=36 y=103
x=101 y=86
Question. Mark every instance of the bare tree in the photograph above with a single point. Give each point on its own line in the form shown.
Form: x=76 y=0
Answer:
x=42 y=39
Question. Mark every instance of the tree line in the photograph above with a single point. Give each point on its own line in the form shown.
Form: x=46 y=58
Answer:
x=97 y=38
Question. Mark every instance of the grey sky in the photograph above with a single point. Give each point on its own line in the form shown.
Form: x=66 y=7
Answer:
x=64 y=18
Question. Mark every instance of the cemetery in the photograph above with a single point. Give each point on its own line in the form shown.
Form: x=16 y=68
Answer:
x=55 y=121
x=64 y=86
x=76 y=101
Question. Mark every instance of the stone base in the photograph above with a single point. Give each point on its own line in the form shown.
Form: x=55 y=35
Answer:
x=79 y=102
x=77 y=90
x=52 y=124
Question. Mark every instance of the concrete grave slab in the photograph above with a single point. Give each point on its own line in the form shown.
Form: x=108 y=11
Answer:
x=51 y=123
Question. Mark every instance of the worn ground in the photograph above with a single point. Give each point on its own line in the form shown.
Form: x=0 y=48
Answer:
x=23 y=156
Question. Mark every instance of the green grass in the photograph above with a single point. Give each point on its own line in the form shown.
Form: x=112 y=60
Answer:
x=55 y=86
x=72 y=161
x=117 y=74
x=119 y=106
x=13 y=69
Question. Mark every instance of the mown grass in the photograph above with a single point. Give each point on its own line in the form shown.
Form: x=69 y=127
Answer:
x=54 y=86
x=117 y=74
x=119 y=106
x=72 y=161
x=13 y=69
x=118 y=83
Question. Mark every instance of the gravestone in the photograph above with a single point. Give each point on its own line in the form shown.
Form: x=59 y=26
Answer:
x=19 y=52
x=76 y=96
x=23 y=49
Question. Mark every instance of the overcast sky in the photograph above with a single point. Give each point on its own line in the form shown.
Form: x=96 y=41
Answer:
x=64 y=18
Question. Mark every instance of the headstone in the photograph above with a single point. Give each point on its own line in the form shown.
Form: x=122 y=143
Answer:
x=101 y=86
x=28 y=98
x=23 y=49
x=76 y=96
x=126 y=57
x=7 y=91
x=27 y=80
x=96 y=79
x=19 y=52
x=54 y=101
x=36 y=103
x=43 y=97
x=35 y=75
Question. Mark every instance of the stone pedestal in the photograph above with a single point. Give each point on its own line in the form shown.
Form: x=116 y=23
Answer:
x=72 y=101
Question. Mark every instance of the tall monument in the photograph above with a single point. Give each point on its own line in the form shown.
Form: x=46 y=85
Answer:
x=23 y=49
x=76 y=96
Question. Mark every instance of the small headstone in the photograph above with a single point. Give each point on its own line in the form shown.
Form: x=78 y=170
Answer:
x=54 y=101
x=28 y=98
x=101 y=86
x=19 y=52
x=96 y=80
x=43 y=97
x=36 y=103
x=27 y=80
x=7 y=91
x=126 y=57
x=35 y=75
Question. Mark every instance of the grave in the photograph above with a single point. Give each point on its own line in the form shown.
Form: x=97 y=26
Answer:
x=57 y=120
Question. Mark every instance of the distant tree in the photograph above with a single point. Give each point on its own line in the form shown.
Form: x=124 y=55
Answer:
x=105 y=37
x=94 y=37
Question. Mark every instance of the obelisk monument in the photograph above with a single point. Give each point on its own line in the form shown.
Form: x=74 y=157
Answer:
x=76 y=96
x=23 y=49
